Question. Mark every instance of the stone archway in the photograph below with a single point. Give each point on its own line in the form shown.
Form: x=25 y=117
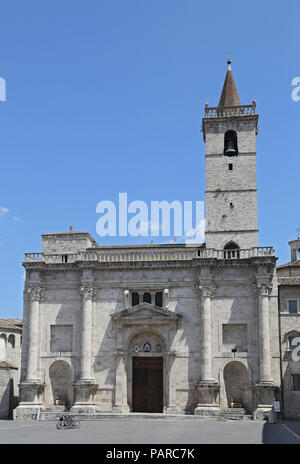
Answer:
x=60 y=374
x=236 y=385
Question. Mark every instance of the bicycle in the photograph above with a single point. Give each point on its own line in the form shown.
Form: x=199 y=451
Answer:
x=68 y=422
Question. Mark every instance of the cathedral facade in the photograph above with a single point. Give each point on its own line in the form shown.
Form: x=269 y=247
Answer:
x=179 y=328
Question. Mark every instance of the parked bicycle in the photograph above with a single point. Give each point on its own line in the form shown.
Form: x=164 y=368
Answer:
x=68 y=422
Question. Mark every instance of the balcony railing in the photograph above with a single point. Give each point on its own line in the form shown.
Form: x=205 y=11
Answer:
x=121 y=256
x=236 y=253
x=225 y=111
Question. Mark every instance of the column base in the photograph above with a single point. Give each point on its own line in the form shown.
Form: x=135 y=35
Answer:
x=121 y=409
x=264 y=396
x=208 y=398
x=84 y=390
x=31 y=392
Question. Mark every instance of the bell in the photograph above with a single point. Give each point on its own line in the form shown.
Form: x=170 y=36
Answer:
x=230 y=145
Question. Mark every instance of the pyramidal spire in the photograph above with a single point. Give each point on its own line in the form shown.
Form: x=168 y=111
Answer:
x=229 y=96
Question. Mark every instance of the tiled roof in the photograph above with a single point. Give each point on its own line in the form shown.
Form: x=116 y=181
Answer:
x=292 y=264
x=5 y=365
x=288 y=280
x=15 y=324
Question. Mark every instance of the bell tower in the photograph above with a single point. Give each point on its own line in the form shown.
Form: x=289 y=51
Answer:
x=229 y=132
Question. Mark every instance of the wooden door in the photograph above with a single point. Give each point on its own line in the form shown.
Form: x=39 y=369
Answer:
x=147 y=385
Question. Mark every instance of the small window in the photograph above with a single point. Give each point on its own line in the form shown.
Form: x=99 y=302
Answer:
x=230 y=166
x=147 y=297
x=296 y=382
x=135 y=298
x=159 y=299
x=65 y=258
x=11 y=341
x=292 y=306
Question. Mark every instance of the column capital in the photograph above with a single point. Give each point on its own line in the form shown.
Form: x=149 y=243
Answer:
x=207 y=288
x=36 y=293
x=88 y=291
x=264 y=287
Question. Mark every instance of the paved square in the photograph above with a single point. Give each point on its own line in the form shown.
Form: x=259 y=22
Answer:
x=151 y=432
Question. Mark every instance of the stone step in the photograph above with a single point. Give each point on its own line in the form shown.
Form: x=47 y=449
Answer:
x=55 y=415
x=234 y=410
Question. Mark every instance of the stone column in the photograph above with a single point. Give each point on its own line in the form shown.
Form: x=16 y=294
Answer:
x=31 y=389
x=172 y=406
x=208 y=388
x=86 y=387
x=263 y=391
x=207 y=292
x=121 y=405
x=35 y=295
x=86 y=335
x=264 y=335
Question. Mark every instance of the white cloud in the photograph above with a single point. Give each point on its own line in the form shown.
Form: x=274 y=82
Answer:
x=17 y=219
x=3 y=210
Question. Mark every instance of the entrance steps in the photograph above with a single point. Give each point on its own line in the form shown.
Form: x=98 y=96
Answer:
x=234 y=414
x=50 y=414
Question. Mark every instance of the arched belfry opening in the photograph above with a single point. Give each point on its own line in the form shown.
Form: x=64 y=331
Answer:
x=231 y=250
x=231 y=143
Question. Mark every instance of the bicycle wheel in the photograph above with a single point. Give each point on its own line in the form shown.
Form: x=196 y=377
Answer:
x=77 y=424
x=59 y=425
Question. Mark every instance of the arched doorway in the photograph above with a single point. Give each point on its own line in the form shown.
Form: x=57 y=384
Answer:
x=60 y=374
x=236 y=385
x=147 y=384
x=146 y=373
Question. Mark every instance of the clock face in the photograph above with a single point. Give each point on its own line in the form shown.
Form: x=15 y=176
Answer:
x=147 y=347
x=136 y=348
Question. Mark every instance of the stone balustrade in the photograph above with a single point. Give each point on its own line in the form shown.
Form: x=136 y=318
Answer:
x=222 y=112
x=235 y=254
x=138 y=255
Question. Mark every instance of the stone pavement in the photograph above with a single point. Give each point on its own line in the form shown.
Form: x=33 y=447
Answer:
x=151 y=432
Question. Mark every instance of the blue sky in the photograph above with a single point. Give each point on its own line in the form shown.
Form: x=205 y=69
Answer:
x=107 y=96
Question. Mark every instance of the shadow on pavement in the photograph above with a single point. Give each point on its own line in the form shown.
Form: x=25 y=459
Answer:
x=280 y=433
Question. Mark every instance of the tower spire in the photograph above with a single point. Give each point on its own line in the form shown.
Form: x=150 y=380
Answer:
x=229 y=96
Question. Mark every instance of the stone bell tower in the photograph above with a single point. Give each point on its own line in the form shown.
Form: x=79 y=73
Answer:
x=229 y=132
